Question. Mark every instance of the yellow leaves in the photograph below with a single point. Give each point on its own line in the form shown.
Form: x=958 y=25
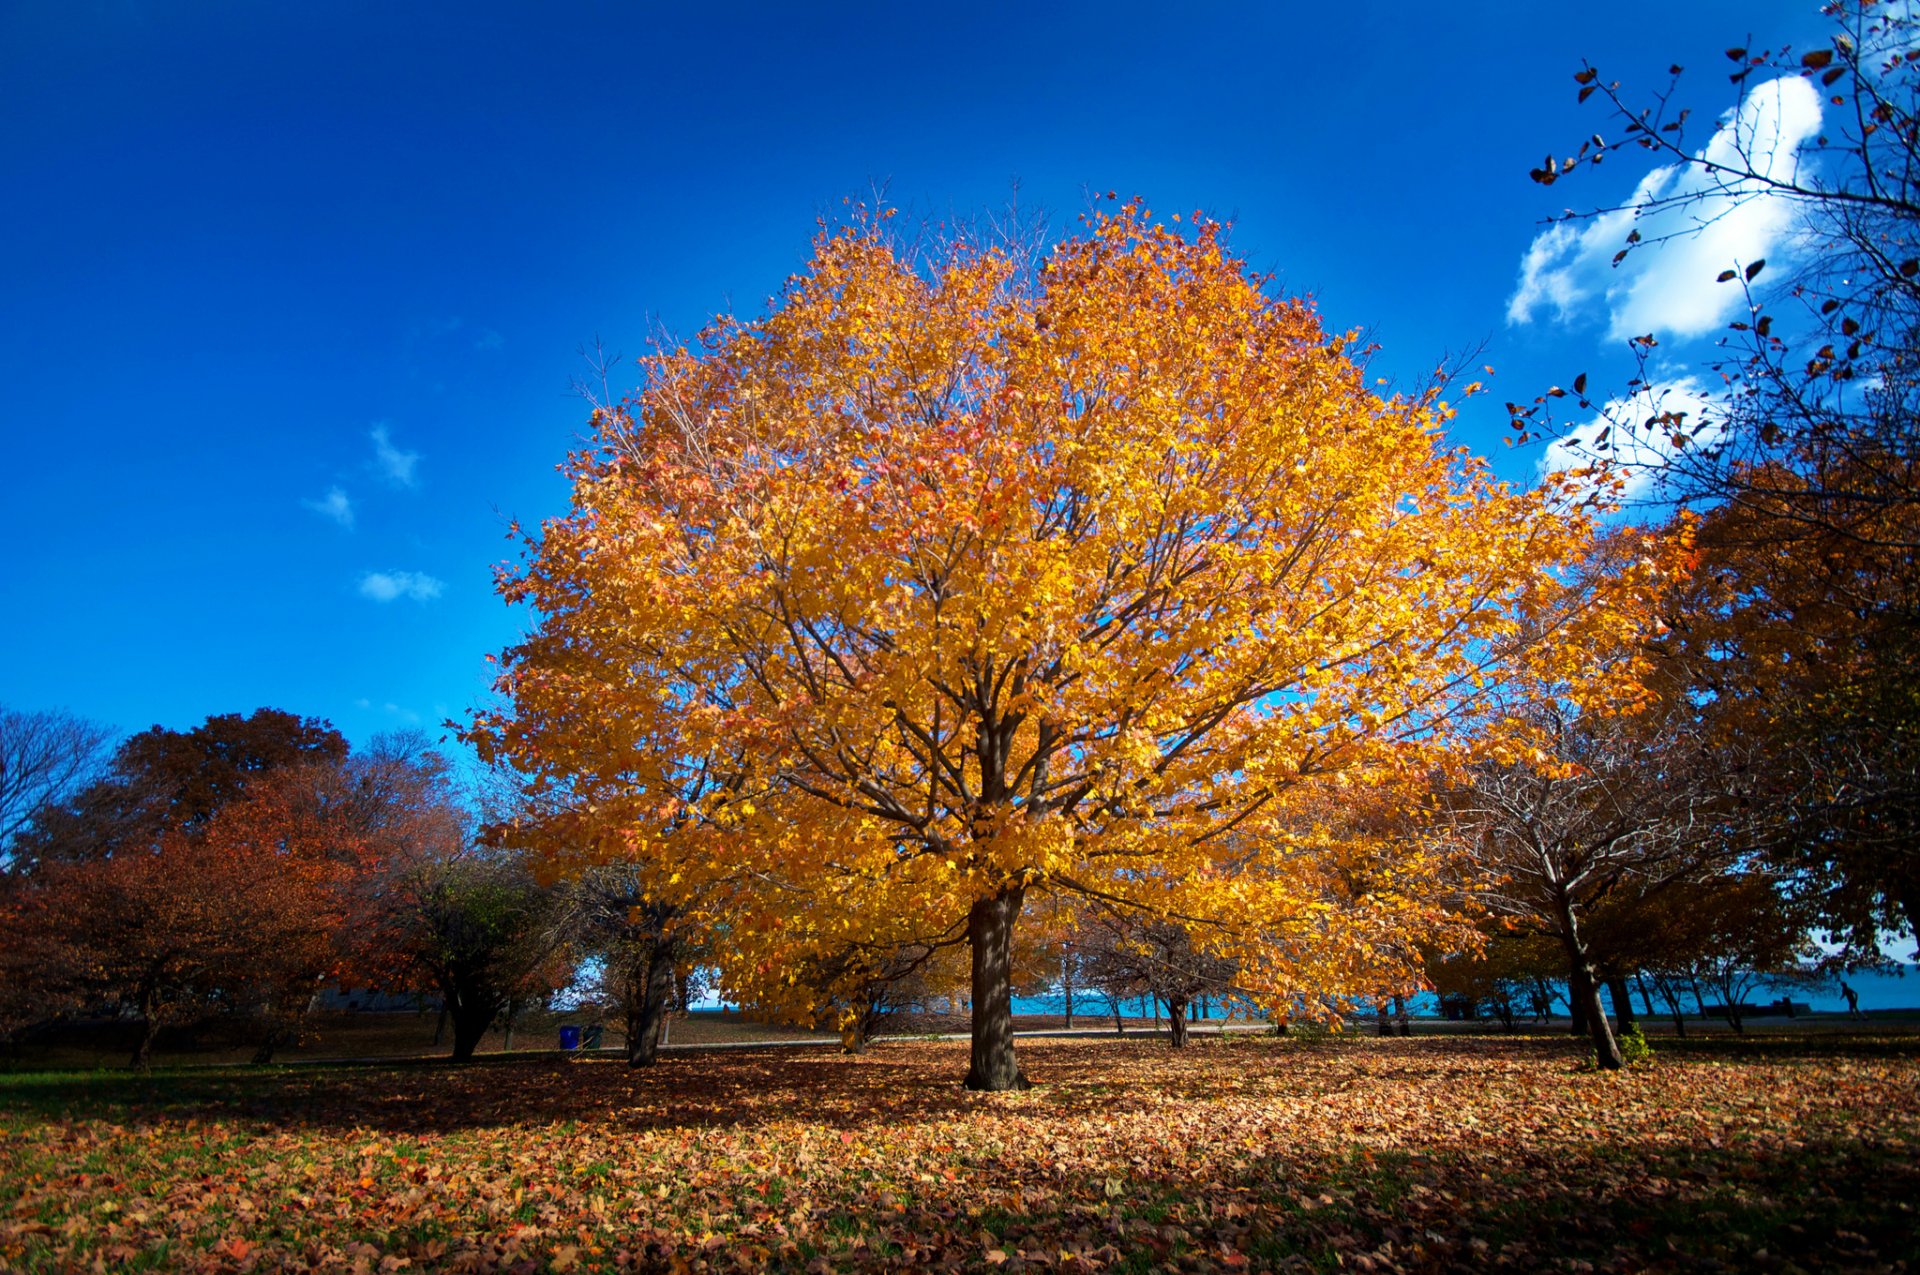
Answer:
x=972 y=580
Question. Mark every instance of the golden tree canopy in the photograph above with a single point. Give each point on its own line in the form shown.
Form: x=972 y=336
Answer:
x=953 y=579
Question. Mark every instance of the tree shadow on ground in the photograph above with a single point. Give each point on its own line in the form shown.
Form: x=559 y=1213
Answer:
x=1423 y=1154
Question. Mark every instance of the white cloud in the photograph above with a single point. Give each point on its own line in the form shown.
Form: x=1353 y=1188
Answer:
x=399 y=712
x=1632 y=438
x=1707 y=224
x=386 y=586
x=334 y=505
x=395 y=465
x=488 y=340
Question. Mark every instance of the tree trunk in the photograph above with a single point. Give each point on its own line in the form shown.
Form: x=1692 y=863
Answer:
x=1119 y=1023
x=1386 y=1023
x=1400 y=1018
x=1622 y=1001
x=1584 y=993
x=471 y=1018
x=1646 y=993
x=643 y=1046
x=276 y=1035
x=853 y=1037
x=440 y=1024
x=1576 y=1012
x=990 y=930
x=142 y=1059
x=1177 y=1020
x=1066 y=983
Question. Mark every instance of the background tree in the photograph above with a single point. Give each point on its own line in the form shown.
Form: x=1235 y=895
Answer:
x=477 y=930
x=1132 y=957
x=994 y=582
x=1575 y=804
x=142 y=897
x=1811 y=661
x=44 y=757
x=1807 y=454
x=1816 y=426
x=164 y=780
x=645 y=948
x=1508 y=976
x=243 y=920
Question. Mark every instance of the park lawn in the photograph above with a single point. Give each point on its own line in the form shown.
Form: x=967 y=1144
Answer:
x=366 y=1034
x=1441 y=1152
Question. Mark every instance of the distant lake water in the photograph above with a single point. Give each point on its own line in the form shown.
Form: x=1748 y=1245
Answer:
x=1896 y=989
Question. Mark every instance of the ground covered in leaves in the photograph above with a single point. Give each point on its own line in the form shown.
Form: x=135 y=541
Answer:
x=1338 y=1153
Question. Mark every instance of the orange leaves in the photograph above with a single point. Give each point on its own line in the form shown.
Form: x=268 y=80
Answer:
x=1431 y=1153
x=965 y=579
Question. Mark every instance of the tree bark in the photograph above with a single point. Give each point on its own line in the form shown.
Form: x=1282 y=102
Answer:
x=1584 y=992
x=990 y=925
x=471 y=1018
x=149 y=1000
x=1622 y=1001
x=142 y=1059
x=1400 y=1018
x=643 y=1046
x=277 y=1034
x=1177 y=1020
x=1646 y=993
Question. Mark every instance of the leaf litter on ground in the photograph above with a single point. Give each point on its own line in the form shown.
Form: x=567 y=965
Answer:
x=1432 y=1153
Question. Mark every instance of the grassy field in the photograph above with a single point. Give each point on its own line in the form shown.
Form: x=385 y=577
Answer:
x=1772 y=1152
x=402 y=1034
x=412 y=1035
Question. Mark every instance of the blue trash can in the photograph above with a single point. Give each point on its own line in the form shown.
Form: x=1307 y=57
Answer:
x=569 y=1038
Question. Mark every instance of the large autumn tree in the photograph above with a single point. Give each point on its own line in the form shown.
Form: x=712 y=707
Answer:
x=958 y=580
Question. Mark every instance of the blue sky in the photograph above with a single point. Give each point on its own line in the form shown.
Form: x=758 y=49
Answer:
x=293 y=294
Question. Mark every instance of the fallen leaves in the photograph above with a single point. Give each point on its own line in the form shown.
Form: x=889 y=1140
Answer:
x=1416 y=1154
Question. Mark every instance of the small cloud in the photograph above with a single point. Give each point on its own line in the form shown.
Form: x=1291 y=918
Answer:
x=1632 y=439
x=488 y=340
x=387 y=586
x=392 y=463
x=1706 y=222
x=334 y=505
x=398 y=712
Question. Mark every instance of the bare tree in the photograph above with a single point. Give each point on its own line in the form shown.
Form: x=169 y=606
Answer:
x=1130 y=955
x=1816 y=427
x=44 y=757
x=1613 y=804
x=642 y=944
